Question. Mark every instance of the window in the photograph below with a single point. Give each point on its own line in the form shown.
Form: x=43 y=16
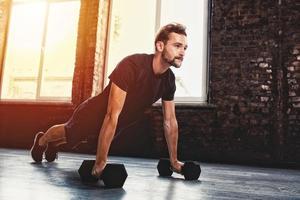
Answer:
x=40 y=53
x=133 y=26
x=132 y=30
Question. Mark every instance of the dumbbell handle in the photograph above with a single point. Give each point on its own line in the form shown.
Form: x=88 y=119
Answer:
x=171 y=167
x=100 y=177
x=186 y=169
x=94 y=174
x=174 y=170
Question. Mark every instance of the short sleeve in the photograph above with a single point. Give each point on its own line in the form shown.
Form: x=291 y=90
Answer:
x=169 y=92
x=123 y=74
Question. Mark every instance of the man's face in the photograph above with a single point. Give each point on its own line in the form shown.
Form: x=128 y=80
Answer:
x=174 y=50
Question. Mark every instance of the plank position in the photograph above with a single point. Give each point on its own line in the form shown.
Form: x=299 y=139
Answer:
x=136 y=83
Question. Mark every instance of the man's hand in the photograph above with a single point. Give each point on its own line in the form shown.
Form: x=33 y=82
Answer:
x=176 y=166
x=98 y=169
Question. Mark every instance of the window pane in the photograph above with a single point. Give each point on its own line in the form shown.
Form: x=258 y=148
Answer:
x=40 y=53
x=132 y=30
x=131 y=33
x=60 y=49
x=23 y=50
x=191 y=77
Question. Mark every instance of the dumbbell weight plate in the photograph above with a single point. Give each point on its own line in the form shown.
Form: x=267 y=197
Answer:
x=114 y=175
x=191 y=170
x=85 y=171
x=163 y=167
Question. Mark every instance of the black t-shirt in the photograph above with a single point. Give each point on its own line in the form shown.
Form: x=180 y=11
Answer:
x=134 y=74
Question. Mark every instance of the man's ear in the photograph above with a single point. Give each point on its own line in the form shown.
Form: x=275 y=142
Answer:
x=160 y=46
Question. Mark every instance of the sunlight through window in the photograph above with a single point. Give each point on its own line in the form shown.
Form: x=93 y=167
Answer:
x=40 y=54
x=132 y=30
x=129 y=33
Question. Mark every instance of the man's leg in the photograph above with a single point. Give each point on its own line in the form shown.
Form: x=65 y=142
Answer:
x=85 y=121
x=56 y=135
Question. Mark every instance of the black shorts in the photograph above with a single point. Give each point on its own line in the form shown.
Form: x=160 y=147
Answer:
x=86 y=121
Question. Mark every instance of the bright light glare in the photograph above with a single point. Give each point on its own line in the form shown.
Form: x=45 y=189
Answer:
x=129 y=33
x=23 y=49
x=60 y=49
x=41 y=49
x=189 y=77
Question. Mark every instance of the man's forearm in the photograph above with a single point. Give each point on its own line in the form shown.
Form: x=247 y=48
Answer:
x=105 y=138
x=171 y=135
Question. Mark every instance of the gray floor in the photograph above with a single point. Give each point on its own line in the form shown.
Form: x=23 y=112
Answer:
x=20 y=178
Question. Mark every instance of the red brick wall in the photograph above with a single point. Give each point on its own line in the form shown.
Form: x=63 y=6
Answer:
x=19 y=122
x=86 y=48
x=101 y=46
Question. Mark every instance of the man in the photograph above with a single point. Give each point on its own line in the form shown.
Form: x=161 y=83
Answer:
x=136 y=83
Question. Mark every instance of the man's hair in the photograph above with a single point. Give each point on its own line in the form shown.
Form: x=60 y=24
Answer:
x=163 y=34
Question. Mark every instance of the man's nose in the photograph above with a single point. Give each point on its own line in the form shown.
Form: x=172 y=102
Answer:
x=182 y=52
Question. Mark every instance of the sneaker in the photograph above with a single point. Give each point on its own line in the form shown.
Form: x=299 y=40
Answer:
x=37 y=150
x=51 y=152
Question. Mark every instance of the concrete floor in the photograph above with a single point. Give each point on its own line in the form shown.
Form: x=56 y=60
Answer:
x=20 y=178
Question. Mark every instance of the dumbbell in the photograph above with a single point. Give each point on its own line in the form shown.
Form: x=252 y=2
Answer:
x=113 y=175
x=190 y=170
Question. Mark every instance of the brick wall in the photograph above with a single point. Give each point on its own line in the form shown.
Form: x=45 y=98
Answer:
x=253 y=45
x=101 y=46
x=291 y=63
x=197 y=138
x=86 y=48
x=19 y=122
x=241 y=73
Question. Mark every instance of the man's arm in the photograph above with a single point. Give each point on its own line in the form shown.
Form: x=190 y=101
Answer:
x=171 y=133
x=115 y=104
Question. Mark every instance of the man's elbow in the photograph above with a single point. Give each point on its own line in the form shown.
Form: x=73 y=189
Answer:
x=112 y=118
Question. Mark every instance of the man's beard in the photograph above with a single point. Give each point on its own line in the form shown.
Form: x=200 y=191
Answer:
x=171 y=62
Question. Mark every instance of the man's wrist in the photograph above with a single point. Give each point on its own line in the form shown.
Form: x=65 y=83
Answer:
x=100 y=162
x=173 y=160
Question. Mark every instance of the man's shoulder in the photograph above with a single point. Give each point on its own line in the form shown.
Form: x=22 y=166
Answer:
x=138 y=62
x=169 y=75
x=139 y=57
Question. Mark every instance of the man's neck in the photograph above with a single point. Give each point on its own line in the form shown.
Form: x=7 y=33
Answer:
x=158 y=65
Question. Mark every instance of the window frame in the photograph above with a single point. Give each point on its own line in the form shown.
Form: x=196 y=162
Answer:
x=206 y=55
